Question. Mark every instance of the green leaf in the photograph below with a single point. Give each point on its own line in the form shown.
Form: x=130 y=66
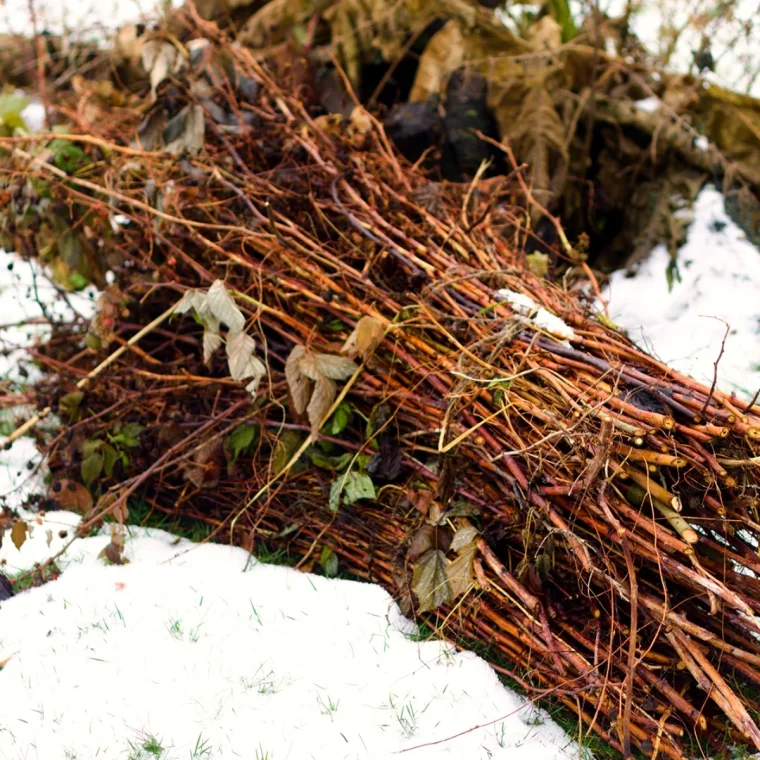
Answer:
x=70 y=403
x=126 y=435
x=334 y=325
x=110 y=456
x=335 y=491
x=91 y=446
x=350 y=487
x=328 y=559
x=78 y=281
x=69 y=157
x=672 y=274
x=287 y=445
x=543 y=565
x=335 y=464
x=339 y=420
x=11 y=107
x=240 y=440
x=538 y=263
x=92 y=466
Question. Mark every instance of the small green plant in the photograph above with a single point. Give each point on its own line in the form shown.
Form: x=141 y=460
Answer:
x=175 y=629
x=150 y=748
x=407 y=719
x=202 y=748
x=329 y=707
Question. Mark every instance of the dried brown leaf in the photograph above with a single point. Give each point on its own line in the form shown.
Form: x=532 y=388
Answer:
x=324 y=394
x=114 y=551
x=335 y=367
x=465 y=537
x=224 y=308
x=299 y=385
x=19 y=533
x=366 y=337
x=429 y=581
x=71 y=496
x=460 y=573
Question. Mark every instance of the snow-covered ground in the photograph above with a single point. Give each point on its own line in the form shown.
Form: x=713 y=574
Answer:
x=196 y=650
x=718 y=288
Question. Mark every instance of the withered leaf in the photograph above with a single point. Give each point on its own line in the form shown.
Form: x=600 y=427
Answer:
x=311 y=379
x=300 y=386
x=366 y=337
x=241 y=357
x=335 y=367
x=204 y=469
x=460 y=573
x=6 y=590
x=72 y=496
x=211 y=341
x=19 y=533
x=192 y=299
x=114 y=550
x=386 y=463
x=224 y=308
x=324 y=394
x=429 y=580
x=465 y=537
x=426 y=538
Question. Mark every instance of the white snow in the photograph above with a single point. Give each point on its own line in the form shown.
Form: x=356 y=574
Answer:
x=719 y=285
x=650 y=105
x=531 y=312
x=24 y=290
x=196 y=647
x=731 y=29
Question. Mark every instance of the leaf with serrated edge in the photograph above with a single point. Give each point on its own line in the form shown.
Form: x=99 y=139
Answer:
x=464 y=537
x=224 y=308
x=240 y=348
x=335 y=367
x=300 y=386
x=211 y=341
x=324 y=394
x=460 y=572
x=429 y=581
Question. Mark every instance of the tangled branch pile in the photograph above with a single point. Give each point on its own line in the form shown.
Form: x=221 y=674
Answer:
x=400 y=394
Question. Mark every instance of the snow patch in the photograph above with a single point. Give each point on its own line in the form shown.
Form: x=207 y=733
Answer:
x=537 y=315
x=716 y=285
x=192 y=644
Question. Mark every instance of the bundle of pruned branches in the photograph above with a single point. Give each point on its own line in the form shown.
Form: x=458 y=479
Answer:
x=311 y=346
